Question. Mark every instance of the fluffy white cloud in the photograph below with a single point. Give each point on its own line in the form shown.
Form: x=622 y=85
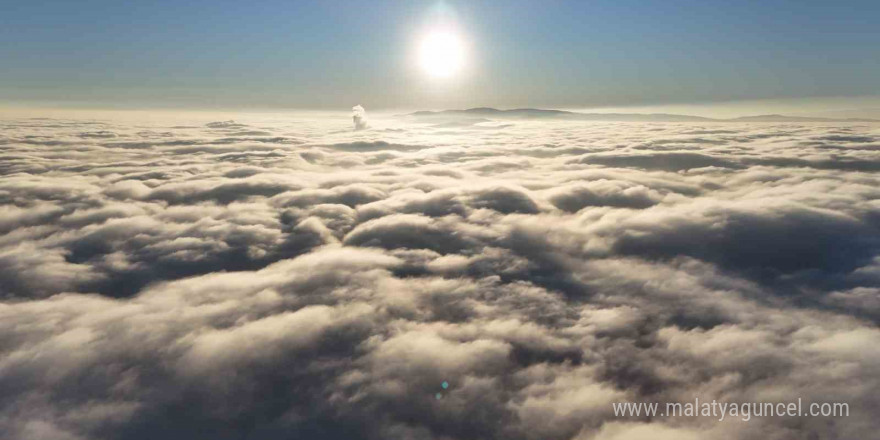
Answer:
x=294 y=278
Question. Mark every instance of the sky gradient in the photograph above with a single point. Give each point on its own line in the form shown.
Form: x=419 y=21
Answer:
x=323 y=55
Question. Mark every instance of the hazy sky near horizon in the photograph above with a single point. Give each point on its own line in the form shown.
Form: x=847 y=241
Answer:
x=329 y=55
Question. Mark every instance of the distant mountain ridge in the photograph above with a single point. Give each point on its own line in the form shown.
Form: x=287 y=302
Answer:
x=534 y=113
x=783 y=118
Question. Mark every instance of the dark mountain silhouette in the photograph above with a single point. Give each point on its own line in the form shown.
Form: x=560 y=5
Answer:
x=534 y=113
x=783 y=118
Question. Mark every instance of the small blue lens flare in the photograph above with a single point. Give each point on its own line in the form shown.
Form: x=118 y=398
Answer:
x=445 y=385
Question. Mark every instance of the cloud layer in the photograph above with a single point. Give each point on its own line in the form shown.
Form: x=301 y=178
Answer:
x=292 y=278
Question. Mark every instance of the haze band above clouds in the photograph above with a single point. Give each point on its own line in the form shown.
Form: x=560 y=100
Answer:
x=298 y=279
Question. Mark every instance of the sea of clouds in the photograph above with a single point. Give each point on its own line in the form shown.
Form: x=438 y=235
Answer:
x=290 y=277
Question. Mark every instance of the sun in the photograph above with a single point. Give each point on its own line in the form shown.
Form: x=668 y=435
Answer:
x=442 y=54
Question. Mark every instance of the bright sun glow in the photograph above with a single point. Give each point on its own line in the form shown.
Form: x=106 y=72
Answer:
x=441 y=54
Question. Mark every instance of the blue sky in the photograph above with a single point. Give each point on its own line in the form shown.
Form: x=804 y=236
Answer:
x=326 y=55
